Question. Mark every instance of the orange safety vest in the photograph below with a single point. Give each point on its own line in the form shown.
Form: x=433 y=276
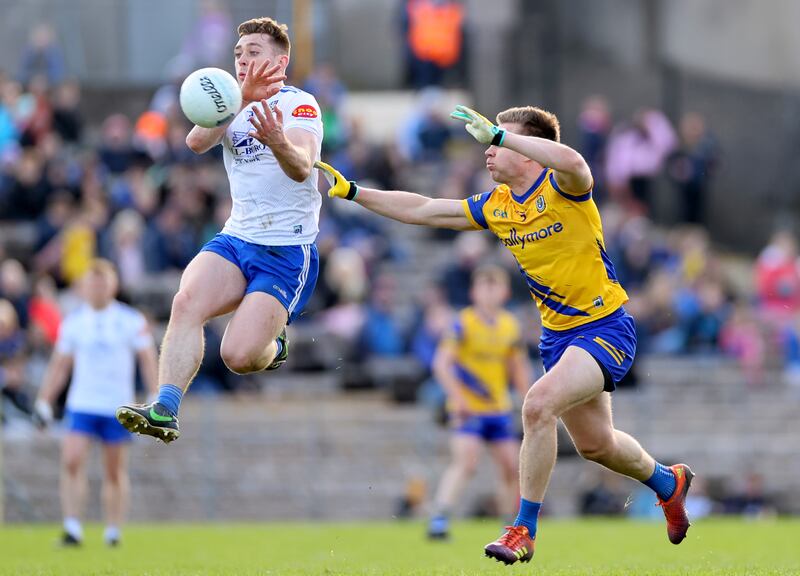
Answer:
x=434 y=31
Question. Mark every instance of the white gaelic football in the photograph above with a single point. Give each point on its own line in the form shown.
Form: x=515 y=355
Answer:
x=210 y=97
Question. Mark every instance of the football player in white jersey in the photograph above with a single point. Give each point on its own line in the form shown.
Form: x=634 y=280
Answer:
x=98 y=344
x=263 y=265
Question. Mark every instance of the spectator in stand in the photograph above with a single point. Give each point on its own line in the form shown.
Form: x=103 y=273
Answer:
x=127 y=249
x=174 y=243
x=41 y=118
x=15 y=289
x=594 y=127
x=44 y=312
x=12 y=359
x=436 y=319
x=209 y=41
x=434 y=39
x=692 y=165
x=67 y=119
x=330 y=92
x=636 y=155
x=382 y=334
x=777 y=275
x=424 y=136
x=9 y=136
x=42 y=55
x=742 y=338
x=29 y=189
x=57 y=213
x=116 y=150
x=346 y=277
x=470 y=250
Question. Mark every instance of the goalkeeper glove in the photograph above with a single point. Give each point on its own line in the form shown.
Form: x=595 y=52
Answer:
x=479 y=126
x=42 y=414
x=340 y=187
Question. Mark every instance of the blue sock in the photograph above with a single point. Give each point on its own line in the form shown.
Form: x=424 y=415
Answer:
x=528 y=515
x=439 y=523
x=662 y=482
x=169 y=396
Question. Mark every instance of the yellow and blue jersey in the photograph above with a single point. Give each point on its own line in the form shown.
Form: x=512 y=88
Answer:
x=482 y=349
x=557 y=240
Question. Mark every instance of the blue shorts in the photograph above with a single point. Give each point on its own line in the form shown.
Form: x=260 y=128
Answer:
x=611 y=341
x=287 y=272
x=489 y=427
x=104 y=428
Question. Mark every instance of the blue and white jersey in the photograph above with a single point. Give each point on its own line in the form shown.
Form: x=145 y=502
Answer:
x=103 y=345
x=269 y=208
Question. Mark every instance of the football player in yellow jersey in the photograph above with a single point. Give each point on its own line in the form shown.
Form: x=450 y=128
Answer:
x=476 y=364
x=542 y=210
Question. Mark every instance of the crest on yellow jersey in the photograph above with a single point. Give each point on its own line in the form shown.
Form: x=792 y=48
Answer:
x=540 y=204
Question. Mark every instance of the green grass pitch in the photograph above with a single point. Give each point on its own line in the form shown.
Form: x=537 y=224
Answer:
x=596 y=547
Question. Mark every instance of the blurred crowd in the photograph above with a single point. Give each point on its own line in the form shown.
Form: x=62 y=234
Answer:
x=73 y=187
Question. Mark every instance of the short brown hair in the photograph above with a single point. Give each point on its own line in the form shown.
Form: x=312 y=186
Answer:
x=265 y=25
x=102 y=267
x=491 y=272
x=534 y=122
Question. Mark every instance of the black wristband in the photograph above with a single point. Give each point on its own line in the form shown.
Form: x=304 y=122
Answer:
x=353 y=191
x=498 y=138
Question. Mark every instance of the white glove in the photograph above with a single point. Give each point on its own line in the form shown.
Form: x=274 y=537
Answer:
x=42 y=413
x=479 y=126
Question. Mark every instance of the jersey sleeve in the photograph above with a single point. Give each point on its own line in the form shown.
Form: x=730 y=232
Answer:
x=303 y=111
x=473 y=208
x=453 y=335
x=66 y=343
x=142 y=338
x=574 y=196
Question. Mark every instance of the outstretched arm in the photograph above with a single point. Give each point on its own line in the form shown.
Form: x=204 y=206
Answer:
x=404 y=207
x=572 y=171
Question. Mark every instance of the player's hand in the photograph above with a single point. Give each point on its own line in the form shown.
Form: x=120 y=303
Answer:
x=459 y=411
x=268 y=125
x=340 y=187
x=42 y=414
x=479 y=126
x=261 y=83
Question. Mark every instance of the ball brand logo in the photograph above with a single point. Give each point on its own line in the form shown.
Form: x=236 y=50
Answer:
x=517 y=239
x=208 y=87
x=304 y=111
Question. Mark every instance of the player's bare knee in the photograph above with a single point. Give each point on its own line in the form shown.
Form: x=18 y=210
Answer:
x=114 y=477
x=72 y=464
x=469 y=467
x=538 y=410
x=185 y=307
x=239 y=362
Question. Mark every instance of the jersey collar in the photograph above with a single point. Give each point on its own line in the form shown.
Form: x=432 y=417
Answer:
x=522 y=199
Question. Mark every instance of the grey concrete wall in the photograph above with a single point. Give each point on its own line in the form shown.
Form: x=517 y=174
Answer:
x=321 y=455
x=749 y=41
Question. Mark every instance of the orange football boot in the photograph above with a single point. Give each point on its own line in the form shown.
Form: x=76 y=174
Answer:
x=516 y=544
x=674 y=508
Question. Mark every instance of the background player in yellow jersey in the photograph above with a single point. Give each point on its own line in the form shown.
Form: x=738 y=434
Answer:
x=477 y=363
x=543 y=211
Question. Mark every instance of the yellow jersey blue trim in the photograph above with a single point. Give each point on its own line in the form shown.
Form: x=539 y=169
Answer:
x=482 y=349
x=557 y=240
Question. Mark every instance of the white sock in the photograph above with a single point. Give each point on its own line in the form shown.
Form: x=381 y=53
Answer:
x=111 y=533
x=72 y=526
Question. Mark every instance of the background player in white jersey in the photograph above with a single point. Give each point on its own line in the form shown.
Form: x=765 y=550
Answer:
x=263 y=265
x=98 y=344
